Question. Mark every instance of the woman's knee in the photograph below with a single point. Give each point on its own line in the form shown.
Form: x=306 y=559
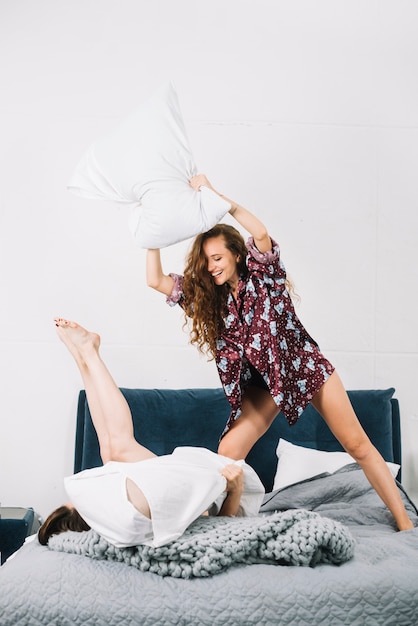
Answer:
x=359 y=447
x=105 y=450
x=114 y=449
x=229 y=448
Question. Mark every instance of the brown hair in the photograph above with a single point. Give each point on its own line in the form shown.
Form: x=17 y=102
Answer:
x=59 y=521
x=205 y=302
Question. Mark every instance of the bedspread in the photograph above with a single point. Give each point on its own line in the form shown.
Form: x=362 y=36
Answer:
x=378 y=586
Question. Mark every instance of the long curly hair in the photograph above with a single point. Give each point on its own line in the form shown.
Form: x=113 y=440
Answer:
x=205 y=303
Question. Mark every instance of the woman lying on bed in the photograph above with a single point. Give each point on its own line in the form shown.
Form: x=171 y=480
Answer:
x=136 y=497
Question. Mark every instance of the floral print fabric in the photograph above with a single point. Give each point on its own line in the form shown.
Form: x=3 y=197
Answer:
x=262 y=329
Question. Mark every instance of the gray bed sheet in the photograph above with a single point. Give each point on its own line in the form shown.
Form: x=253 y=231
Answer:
x=378 y=586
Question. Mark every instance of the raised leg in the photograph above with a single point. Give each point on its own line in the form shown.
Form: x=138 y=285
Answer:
x=333 y=403
x=109 y=410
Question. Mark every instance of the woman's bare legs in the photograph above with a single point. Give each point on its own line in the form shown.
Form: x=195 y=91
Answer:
x=333 y=403
x=109 y=410
x=258 y=413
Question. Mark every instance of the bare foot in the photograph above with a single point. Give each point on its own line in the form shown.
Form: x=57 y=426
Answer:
x=78 y=340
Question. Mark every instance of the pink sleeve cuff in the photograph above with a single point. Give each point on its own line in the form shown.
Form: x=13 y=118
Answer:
x=177 y=292
x=263 y=257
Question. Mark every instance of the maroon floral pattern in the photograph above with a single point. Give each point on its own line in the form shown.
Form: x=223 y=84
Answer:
x=262 y=328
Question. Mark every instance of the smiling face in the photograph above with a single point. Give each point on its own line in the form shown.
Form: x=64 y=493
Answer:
x=221 y=262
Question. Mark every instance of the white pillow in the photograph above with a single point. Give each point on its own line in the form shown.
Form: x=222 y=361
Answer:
x=297 y=463
x=146 y=162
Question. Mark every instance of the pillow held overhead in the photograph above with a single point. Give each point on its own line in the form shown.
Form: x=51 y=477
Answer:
x=146 y=162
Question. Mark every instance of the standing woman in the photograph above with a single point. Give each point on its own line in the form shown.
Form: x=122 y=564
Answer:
x=237 y=298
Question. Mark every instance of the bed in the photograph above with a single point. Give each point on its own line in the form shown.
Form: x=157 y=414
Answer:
x=377 y=584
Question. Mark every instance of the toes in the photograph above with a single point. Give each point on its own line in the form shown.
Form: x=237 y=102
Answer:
x=60 y=321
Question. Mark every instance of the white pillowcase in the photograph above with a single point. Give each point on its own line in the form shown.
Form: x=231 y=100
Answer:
x=297 y=463
x=146 y=162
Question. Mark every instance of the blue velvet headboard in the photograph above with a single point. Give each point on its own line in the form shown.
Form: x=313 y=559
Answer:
x=166 y=418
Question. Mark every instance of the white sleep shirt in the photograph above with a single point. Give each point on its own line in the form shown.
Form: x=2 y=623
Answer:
x=179 y=487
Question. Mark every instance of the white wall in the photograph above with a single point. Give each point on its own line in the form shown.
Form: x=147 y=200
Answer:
x=305 y=111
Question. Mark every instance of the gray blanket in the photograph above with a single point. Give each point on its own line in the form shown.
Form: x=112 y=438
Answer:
x=212 y=544
x=43 y=587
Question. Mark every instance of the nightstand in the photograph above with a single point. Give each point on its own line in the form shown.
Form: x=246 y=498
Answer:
x=16 y=523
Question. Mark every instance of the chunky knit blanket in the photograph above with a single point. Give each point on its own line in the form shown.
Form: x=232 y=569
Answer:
x=212 y=544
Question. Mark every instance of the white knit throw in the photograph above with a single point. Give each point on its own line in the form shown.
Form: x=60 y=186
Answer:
x=212 y=544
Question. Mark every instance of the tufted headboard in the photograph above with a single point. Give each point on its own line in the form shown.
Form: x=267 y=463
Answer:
x=166 y=418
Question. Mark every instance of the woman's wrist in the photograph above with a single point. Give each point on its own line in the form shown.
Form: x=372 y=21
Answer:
x=231 y=504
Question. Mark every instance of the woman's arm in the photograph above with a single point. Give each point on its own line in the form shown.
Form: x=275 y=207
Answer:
x=234 y=475
x=155 y=275
x=250 y=222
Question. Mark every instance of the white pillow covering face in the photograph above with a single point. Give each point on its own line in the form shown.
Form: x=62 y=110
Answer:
x=296 y=463
x=146 y=162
